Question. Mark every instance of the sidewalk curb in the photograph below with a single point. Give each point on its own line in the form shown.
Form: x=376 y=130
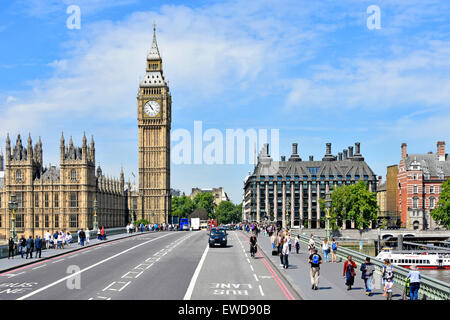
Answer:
x=288 y=281
x=67 y=252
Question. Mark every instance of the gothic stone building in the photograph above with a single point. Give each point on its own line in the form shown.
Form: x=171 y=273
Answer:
x=419 y=181
x=293 y=187
x=51 y=198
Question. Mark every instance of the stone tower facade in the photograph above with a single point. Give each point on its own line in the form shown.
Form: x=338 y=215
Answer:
x=154 y=105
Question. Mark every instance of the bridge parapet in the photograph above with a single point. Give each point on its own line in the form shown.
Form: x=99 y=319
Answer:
x=430 y=288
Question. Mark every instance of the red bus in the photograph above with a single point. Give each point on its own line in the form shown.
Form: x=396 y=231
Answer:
x=212 y=223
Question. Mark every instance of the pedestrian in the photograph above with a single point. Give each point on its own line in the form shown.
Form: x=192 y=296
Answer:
x=102 y=233
x=289 y=239
x=334 y=246
x=38 y=246
x=285 y=252
x=68 y=239
x=82 y=237
x=128 y=228
x=282 y=242
x=141 y=227
x=349 y=272
x=30 y=247
x=297 y=243
x=272 y=239
x=367 y=269
x=47 y=237
x=59 y=240
x=11 y=247
x=325 y=249
x=311 y=245
x=388 y=288
x=55 y=237
x=87 y=233
x=315 y=260
x=99 y=236
x=414 y=276
x=78 y=234
x=23 y=245
x=63 y=238
x=387 y=273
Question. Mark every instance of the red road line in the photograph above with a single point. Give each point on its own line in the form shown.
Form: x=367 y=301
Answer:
x=280 y=283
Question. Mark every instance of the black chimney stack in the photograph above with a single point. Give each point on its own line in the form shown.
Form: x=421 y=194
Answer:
x=340 y=156
x=350 y=152
x=345 y=154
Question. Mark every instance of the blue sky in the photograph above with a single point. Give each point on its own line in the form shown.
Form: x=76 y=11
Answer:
x=311 y=69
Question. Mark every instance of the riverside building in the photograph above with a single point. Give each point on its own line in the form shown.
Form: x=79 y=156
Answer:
x=287 y=192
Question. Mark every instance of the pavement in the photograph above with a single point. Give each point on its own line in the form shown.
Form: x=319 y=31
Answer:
x=331 y=282
x=16 y=262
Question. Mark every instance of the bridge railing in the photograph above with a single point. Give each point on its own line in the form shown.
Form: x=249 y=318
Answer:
x=430 y=288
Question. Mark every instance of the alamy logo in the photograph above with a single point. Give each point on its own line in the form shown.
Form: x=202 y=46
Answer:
x=75 y=281
x=374 y=20
x=74 y=20
x=236 y=146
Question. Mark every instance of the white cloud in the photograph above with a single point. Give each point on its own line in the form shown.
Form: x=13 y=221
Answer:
x=418 y=78
x=10 y=99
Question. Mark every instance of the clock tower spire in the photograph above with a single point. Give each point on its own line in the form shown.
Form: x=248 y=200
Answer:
x=154 y=107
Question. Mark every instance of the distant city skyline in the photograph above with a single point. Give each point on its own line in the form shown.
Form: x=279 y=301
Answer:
x=313 y=71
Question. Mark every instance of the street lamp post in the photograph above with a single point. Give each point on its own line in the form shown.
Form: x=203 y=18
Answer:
x=328 y=206
x=95 y=215
x=12 y=206
x=288 y=206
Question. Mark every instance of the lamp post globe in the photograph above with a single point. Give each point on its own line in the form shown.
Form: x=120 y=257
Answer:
x=328 y=206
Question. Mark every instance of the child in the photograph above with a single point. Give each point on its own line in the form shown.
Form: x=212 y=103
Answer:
x=388 y=288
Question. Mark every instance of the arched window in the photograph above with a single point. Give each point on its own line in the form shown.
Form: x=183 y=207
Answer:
x=415 y=202
x=432 y=202
x=73 y=174
x=19 y=175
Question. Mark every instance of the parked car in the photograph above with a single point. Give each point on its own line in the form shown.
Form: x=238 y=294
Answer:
x=217 y=236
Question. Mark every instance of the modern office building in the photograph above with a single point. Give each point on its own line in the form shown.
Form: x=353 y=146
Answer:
x=287 y=192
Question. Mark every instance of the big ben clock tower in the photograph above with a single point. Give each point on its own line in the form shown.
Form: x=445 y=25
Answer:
x=154 y=104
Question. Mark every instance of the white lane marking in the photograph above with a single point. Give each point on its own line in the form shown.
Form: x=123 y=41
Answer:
x=139 y=274
x=87 y=268
x=190 y=289
x=256 y=277
x=248 y=260
x=109 y=286
x=58 y=260
x=261 y=290
x=251 y=267
x=141 y=266
x=129 y=274
x=39 y=267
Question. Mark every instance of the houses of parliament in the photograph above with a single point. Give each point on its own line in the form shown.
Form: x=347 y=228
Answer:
x=52 y=198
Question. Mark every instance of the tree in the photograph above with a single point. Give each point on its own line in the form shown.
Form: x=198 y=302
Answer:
x=182 y=206
x=205 y=201
x=441 y=214
x=353 y=202
x=227 y=212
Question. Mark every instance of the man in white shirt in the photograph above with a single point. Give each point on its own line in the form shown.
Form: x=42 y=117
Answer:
x=47 y=237
x=285 y=253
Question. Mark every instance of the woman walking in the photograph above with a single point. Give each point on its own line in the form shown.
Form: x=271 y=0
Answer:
x=311 y=245
x=333 y=250
x=349 y=272
x=297 y=243
x=282 y=243
x=325 y=249
x=285 y=253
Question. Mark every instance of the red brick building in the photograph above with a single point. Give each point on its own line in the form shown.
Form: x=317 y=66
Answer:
x=419 y=185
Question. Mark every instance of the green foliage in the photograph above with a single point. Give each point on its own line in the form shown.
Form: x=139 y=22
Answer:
x=353 y=202
x=441 y=214
x=205 y=201
x=138 y=223
x=227 y=212
x=182 y=206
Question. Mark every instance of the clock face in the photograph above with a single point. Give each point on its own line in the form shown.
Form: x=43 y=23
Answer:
x=151 y=108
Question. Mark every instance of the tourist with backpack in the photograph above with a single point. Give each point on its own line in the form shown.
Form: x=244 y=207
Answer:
x=334 y=246
x=315 y=260
x=349 y=272
x=367 y=275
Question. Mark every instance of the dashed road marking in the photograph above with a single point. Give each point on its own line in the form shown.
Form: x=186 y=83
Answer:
x=39 y=267
x=261 y=290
